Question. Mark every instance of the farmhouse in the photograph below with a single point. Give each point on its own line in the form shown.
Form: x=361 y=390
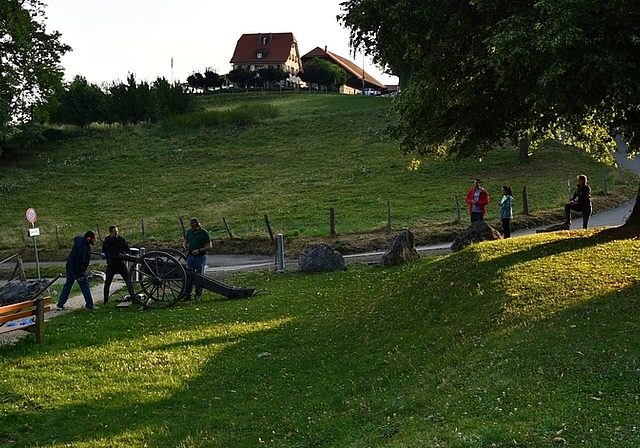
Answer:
x=357 y=79
x=269 y=50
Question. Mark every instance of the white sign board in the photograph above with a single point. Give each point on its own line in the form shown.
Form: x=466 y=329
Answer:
x=34 y=232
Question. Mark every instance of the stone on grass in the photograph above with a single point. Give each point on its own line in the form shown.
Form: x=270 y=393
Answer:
x=321 y=258
x=16 y=292
x=402 y=249
x=475 y=233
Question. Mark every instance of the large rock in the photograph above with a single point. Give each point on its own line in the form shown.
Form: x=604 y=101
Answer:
x=20 y=291
x=321 y=258
x=402 y=249
x=475 y=233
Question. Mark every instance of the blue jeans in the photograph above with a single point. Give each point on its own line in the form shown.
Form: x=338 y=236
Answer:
x=197 y=263
x=84 y=287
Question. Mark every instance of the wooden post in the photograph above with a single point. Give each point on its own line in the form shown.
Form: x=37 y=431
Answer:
x=58 y=236
x=388 y=216
x=229 y=232
x=604 y=183
x=266 y=221
x=144 y=233
x=525 y=201
x=39 y=318
x=332 y=222
x=459 y=219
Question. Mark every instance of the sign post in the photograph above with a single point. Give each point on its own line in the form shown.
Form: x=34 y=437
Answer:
x=34 y=231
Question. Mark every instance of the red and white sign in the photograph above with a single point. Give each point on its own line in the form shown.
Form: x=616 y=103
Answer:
x=31 y=215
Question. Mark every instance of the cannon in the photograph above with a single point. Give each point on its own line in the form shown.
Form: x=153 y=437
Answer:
x=160 y=278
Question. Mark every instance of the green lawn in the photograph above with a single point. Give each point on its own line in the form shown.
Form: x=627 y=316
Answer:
x=295 y=158
x=517 y=342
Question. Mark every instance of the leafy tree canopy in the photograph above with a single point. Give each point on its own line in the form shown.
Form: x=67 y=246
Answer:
x=324 y=73
x=29 y=63
x=478 y=73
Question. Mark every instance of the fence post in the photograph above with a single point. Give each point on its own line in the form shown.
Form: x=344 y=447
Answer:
x=266 y=221
x=332 y=222
x=58 y=236
x=229 y=232
x=144 y=233
x=99 y=235
x=525 y=201
x=457 y=210
x=388 y=216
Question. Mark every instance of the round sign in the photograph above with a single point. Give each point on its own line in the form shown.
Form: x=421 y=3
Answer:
x=31 y=215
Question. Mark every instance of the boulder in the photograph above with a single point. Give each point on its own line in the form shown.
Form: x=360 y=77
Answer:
x=475 y=233
x=20 y=291
x=402 y=249
x=321 y=258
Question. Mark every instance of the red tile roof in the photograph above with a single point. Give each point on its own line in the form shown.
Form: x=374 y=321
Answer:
x=349 y=66
x=276 y=48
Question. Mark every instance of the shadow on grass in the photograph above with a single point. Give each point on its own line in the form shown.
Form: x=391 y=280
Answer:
x=354 y=359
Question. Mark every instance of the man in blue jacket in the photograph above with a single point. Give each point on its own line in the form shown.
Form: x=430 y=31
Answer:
x=77 y=265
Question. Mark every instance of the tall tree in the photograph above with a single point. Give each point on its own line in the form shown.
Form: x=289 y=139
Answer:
x=29 y=63
x=481 y=72
x=131 y=103
x=80 y=104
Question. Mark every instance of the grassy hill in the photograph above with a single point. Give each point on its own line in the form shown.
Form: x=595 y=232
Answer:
x=526 y=342
x=291 y=157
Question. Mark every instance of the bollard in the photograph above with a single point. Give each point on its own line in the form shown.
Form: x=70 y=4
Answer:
x=279 y=254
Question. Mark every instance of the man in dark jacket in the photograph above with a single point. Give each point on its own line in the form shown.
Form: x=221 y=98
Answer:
x=580 y=201
x=113 y=246
x=76 y=267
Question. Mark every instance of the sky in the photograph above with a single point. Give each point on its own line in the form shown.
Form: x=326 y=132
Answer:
x=112 y=38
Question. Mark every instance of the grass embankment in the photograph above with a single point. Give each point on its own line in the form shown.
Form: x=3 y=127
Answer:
x=292 y=157
x=520 y=342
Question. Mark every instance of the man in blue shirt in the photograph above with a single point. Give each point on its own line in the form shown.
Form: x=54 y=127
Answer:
x=76 y=267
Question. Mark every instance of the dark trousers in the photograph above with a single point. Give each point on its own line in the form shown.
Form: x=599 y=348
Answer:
x=477 y=216
x=113 y=268
x=586 y=213
x=506 y=226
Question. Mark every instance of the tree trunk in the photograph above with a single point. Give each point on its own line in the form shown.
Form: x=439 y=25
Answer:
x=634 y=218
x=523 y=148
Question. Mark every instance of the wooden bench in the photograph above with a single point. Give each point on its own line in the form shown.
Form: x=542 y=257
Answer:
x=33 y=309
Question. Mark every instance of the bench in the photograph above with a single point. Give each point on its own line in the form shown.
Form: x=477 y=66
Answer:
x=30 y=309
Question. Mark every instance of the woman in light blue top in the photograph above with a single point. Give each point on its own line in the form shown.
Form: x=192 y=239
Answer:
x=506 y=210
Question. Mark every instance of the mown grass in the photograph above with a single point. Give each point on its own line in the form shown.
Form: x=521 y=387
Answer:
x=531 y=341
x=292 y=157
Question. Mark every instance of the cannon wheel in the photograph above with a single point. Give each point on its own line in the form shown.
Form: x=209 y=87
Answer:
x=158 y=280
x=181 y=257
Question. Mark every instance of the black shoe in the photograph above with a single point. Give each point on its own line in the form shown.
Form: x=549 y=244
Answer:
x=187 y=298
x=198 y=297
x=106 y=300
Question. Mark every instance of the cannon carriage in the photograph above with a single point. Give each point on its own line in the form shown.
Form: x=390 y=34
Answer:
x=160 y=278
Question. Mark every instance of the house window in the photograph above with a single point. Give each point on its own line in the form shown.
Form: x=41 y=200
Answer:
x=259 y=55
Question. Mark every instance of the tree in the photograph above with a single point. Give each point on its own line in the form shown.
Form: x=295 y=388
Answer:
x=171 y=99
x=488 y=71
x=131 y=103
x=324 y=73
x=241 y=76
x=272 y=75
x=80 y=104
x=485 y=71
x=29 y=64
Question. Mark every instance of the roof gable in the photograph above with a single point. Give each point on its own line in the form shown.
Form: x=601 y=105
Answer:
x=273 y=47
x=349 y=66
